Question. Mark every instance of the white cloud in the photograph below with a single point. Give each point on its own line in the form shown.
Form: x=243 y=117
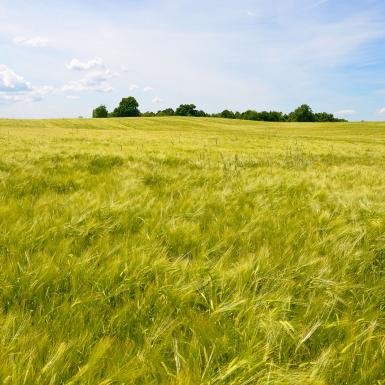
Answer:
x=77 y=65
x=11 y=82
x=74 y=97
x=381 y=111
x=32 y=42
x=147 y=89
x=96 y=77
x=133 y=87
x=251 y=13
x=83 y=85
x=345 y=112
x=14 y=88
x=124 y=68
x=157 y=100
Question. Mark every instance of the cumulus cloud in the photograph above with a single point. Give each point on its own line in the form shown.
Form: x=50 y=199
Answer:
x=11 y=82
x=345 y=112
x=32 y=42
x=147 y=89
x=74 y=97
x=77 y=65
x=381 y=111
x=157 y=100
x=96 y=77
x=14 y=88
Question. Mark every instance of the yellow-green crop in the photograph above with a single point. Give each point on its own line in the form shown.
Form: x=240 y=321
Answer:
x=191 y=251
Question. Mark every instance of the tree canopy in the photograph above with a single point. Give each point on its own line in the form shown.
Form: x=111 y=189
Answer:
x=100 y=112
x=186 y=110
x=227 y=114
x=129 y=106
x=302 y=114
x=166 y=112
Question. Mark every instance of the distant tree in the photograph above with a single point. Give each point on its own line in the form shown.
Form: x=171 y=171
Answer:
x=323 y=117
x=201 y=114
x=326 y=117
x=302 y=114
x=186 y=110
x=275 y=116
x=148 y=114
x=250 y=115
x=100 y=112
x=227 y=114
x=166 y=112
x=127 y=107
x=264 y=115
x=130 y=107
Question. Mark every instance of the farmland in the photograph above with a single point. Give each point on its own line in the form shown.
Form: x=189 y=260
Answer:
x=191 y=251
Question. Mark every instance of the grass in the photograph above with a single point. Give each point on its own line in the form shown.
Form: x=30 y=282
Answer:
x=191 y=251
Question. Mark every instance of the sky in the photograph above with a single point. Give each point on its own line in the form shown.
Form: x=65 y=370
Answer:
x=64 y=58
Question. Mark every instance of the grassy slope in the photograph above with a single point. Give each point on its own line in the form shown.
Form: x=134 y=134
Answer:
x=191 y=251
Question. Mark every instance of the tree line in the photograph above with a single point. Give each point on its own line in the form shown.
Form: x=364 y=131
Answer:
x=129 y=107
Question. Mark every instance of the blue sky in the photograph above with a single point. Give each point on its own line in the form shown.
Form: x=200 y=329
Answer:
x=63 y=58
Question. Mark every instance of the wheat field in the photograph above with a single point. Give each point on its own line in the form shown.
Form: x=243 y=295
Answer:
x=191 y=251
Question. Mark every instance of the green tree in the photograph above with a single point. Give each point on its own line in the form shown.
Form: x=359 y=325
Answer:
x=166 y=112
x=302 y=114
x=201 y=114
x=227 y=114
x=323 y=117
x=238 y=115
x=100 y=112
x=326 y=117
x=250 y=115
x=186 y=110
x=148 y=114
x=127 y=107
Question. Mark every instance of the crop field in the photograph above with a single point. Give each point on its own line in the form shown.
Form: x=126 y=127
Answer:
x=191 y=251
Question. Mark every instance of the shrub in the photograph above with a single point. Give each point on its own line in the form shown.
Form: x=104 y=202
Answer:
x=100 y=112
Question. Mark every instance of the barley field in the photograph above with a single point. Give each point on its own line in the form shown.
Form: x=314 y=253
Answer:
x=191 y=251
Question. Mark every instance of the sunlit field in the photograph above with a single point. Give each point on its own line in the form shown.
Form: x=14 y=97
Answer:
x=191 y=251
